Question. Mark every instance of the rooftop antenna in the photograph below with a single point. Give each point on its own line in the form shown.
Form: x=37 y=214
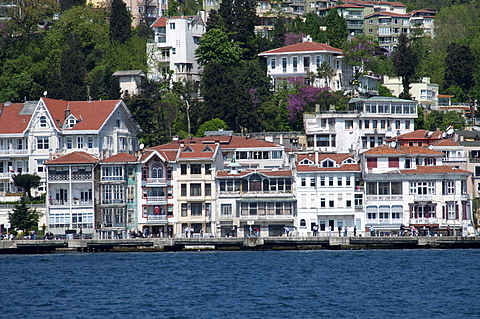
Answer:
x=45 y=94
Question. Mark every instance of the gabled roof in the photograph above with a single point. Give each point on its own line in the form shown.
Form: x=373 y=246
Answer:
x=91 y=114
x=303 y=47
x=393 y=4
x=337 y=158
x=402 y=150
x=129 y=73
x=11 y=119
x=74 y=158
x=196 y=151
x=341 y=168
x=161 y=22
x=119 y=158
x=346 y=5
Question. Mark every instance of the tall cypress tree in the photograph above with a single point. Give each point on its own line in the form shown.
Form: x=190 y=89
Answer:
x=337 y=30
x=120 y=22
x=405 y=62
x=71 y=79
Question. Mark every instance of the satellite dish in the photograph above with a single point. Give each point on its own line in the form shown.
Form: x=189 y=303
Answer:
x=393 y=143
x=45 y=93
x=450 y=131
x=429 y=133
x=141 y=146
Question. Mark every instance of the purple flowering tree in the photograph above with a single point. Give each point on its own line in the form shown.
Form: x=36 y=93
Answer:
x=301 y=97
x=294 y=38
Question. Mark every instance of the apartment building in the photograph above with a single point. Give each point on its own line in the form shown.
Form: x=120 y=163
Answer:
x=173 y=48
x=425 y=92
x=410 y=185
x=329 y=192
x=366 y=124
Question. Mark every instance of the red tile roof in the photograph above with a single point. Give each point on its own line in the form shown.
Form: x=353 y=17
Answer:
x=338 y=158
x=435 y=170
x=446 y=142
x=403 y=150
x=161 y=22
x=226 y=142
x=303 y=47
x=92 y=114
x=10 y=119
x=74 y=158
x=417 y=134
x=444 y=96
x=388 y=13
x=393 y=4
x=118 y=158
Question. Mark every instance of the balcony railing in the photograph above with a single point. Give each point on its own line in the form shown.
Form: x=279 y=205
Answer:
x=423 y=220
x=384 y=197
x=82 y=177
x=423 y=198
x=58 y=177
x=156 y=198
x=454 y=159
x=156 y=218
x=113 y=201
x=267 y=217
x=14 y=152
x=156 y=180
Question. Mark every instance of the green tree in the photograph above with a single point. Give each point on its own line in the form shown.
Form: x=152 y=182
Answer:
x=278 y=32
x=23 y=217
x=460 y=67
x=172 y=10
x=405 y=62
x=120 y=22
x=212 y=125
x=324 y=71
x=25 y=18
x=337 y=31
x=312 y=27
x=68 y=4
x=27 y=182
x=439 y=120
x=215 y=46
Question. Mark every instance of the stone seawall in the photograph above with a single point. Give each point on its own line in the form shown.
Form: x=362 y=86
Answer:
x=234 y=243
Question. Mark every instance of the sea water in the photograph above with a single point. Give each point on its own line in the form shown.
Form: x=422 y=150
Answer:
x=250 y=284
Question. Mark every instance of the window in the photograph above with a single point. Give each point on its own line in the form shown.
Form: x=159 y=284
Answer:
x=295 y=64
x=183 y=210
x=43 y=121
x=451 y=211
x=90 y=142
x=448 y=187
x=318 y=60
x=397 y=125
x=429 y=161
x=304 y=180
x=226 y=209
x=367 y=124
x=306 y=64
x=172 y=26
x=330 y=181
x=348 y=124
x=69 y=143
x=312 y=182
x=169 y=173
x=195 y=189
x=272 y=63
x=339 y=181
x=208 y=189
x=349 y=203
x=183 y=190
x=79 y=141
x=331 y=203
x=196 y=209
x=284 y=65
x=112 y=194
x=42 y=143
x=195 y=169
x=393 y=162
x=110 y=173
x=322 y=202
x=407 y=125
x=40 y=168
x=371 y=163
x=322 y=180
x=183 y=169
x=157 y=171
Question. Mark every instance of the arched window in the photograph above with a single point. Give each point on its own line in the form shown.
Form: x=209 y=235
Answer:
x=302 y=222
x=157 y=171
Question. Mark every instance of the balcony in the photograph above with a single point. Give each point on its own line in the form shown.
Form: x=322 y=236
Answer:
x=266 y=217
x=81 y=176
x=156 y=199
x=14 y=152
x=423 y=198
x=384 y=197
x=113 y=201
x=424 y=221
x=6 y=175
x=154 y=181
x=58 y=177
x=157 y=219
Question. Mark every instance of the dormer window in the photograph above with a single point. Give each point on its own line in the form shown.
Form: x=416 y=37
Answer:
x=207 y=149
x=430 y=161
x=305 y=161
x=188 y=149
x=328 y=163
x=349 y=161
x=71 y=121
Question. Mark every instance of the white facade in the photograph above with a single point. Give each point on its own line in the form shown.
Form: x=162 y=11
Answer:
x=329 y=195
x=297 y=60
x=173 y=49
x=411 y=186
x=366 y=124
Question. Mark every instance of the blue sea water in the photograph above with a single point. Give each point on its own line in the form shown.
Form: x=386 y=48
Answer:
x=250 y=284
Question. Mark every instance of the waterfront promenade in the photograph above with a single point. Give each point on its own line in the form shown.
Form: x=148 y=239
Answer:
x=236 y=243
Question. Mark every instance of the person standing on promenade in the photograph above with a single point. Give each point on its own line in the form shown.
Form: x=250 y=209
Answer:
x=372 y=231
x=315 y=230
x=345 y=231
x=339 y=231
x=355 y=231
x=448 y=230
x=329 y=231
x=187 y=230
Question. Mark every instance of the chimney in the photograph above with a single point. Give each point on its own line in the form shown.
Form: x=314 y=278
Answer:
x=67 y=113
x=316 y=158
